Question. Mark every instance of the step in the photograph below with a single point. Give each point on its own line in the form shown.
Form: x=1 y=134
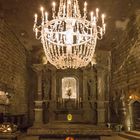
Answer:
x=135 y=133
x=129 y=136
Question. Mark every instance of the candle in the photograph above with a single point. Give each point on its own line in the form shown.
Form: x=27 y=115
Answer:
x=35 y=18
x=97 y=12
x=91 y=14
x=104 y=27
x=53 y=6
x=46 y=16
x=75 y=103
x=42 y=11
x=78 y=101
x=101 y=31
x=36 y=32
x=103 y=17
x=85 y=6
x=69 y=2
x=94 y=19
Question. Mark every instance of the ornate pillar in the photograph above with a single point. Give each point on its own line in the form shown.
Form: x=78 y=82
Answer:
x=101 y=97
x=85 y=98
x=38 y=111
x=53 y=95
x=86 y=107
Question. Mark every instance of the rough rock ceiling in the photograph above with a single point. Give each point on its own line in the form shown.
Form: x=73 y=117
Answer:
x=20 y=15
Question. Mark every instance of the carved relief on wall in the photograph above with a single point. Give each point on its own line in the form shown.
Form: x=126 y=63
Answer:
x=46 y=85
x=69 y=87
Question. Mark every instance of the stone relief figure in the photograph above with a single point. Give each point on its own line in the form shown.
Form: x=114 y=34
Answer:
x=46 y=88
x=90 y=86
x=122 y=103
x=116 y=103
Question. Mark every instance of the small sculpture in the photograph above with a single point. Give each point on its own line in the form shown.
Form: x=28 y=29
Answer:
x=8 y=128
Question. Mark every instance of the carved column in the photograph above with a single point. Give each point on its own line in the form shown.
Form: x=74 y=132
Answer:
x=53 y=95
x=86 y=107
x=38 y=111
x=85 y=86
x=101 y=97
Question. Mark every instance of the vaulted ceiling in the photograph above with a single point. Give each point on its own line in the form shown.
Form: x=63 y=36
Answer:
x=20 y=15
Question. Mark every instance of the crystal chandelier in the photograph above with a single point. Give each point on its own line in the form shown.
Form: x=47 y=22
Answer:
x=69 y=39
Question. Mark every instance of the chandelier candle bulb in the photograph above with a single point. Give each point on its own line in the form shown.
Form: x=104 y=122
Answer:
x=94 y=19
x=91 y=14
x=97 y=12
x=54 y=4
x=69 y=2
x=36 y=32
x=42 y=11
x=85 y=9
x=101 y=31
x=53 y=9
x=85 y=5
x=35 y=18
x=104 y=27
x=103 y=18
x=46 y=16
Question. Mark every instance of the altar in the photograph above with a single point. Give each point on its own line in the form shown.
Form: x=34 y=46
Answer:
x=71 y=98
x=63 y=130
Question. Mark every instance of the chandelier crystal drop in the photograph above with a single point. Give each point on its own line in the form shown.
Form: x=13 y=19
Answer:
x=69 y=39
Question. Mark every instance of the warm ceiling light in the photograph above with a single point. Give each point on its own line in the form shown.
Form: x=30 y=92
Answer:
x=69 y=39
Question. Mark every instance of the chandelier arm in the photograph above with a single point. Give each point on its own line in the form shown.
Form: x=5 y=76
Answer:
x=60 y=44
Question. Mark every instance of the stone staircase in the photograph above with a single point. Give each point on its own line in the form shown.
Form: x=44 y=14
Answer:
x=131 y=135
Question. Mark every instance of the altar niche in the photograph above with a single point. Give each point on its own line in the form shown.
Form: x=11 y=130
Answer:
x=69 y=88
x=69 y=97
x=79 y=92
x=69 y=101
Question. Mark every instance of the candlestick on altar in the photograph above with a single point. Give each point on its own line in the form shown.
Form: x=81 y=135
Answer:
x=75 y=103
x=58 y=101
x=63 y=102
x=78 y=102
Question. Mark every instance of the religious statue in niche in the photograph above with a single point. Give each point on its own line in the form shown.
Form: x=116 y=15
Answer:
x=68 y=92
x=69 y=88
x=116 y=103
x=90 y=86
x=122 y=103
x=46 y=87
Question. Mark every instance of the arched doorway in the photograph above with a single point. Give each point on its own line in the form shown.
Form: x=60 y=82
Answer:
x=136 y=115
